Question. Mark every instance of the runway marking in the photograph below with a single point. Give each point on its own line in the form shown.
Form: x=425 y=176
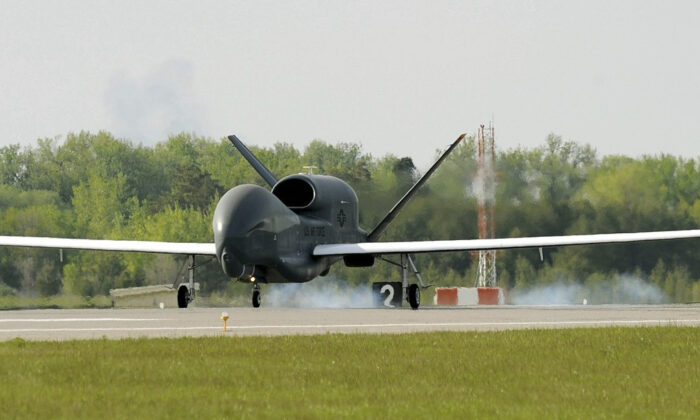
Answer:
x=360 y=326
x=81 y=319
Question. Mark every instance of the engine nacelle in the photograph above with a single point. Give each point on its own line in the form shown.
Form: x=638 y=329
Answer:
x=322 y=196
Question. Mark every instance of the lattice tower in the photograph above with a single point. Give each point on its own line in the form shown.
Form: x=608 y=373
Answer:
x=486 y=198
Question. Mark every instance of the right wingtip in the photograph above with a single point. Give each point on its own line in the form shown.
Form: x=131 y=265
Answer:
x=460 y=138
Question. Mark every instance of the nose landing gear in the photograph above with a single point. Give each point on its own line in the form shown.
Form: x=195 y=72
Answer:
x=257 y=295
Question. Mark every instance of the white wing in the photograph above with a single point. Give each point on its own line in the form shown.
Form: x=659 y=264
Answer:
x=109 y=245
x=378 y=248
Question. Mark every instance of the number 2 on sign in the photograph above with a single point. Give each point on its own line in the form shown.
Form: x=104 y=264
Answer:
x=388 y=288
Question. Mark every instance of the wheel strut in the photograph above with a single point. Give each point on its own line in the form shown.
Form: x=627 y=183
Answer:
x=412 y=292
x=190 y=295
x=185 y=293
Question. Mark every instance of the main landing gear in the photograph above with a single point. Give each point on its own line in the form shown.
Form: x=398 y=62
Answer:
x=413 y=296
x=186 y=291
x=410 y=291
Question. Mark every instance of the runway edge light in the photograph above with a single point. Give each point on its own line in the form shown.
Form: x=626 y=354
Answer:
x=224 y=317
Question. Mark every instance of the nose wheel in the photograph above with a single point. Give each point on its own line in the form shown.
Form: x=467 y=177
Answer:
x=257 y=296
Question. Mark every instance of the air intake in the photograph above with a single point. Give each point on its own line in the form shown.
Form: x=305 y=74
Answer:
x=295 y=193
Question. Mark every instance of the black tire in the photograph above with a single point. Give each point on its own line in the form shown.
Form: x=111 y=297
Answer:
x=257 y=298
x=414 y=296
x=182 y=297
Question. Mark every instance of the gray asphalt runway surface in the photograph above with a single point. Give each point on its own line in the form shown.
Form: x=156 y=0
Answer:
x=59 y=324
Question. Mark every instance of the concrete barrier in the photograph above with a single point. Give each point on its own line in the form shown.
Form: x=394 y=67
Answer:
x=491 y=296
x=147 y=296
x=464 y=296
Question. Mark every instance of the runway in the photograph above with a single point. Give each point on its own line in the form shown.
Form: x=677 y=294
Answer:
x=56 y=324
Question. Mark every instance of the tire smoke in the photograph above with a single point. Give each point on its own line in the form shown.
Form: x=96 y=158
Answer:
x=327 y=292
x=622 y=289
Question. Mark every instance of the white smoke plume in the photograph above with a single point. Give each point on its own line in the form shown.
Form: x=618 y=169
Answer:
x=551 y=294
x=483 y=188
x=622 y=289
x=324 y=292
x=150 y=108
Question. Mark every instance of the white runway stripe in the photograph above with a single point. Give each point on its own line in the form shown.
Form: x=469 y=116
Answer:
x=81 y=320
x=371 y=326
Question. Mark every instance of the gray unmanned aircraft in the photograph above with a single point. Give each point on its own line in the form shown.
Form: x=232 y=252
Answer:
x=306 y=223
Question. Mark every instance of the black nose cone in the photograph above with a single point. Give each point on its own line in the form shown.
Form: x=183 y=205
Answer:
x=231 y=266
x=242 y=211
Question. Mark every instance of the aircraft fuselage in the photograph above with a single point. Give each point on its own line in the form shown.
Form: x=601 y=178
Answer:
x=269 y=236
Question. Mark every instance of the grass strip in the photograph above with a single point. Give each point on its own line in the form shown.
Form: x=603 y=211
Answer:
x=54 y=302
x=567 y=373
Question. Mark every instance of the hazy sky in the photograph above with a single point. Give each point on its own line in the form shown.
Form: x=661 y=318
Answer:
x=400 y=77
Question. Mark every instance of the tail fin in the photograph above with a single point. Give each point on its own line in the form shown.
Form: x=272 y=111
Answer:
x=254 y=162
x=399 y=205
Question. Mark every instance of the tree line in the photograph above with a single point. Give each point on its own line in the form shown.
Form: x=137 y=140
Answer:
x=97 y=186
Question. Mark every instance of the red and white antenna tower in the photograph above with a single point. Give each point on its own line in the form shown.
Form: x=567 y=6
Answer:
x=485 y=188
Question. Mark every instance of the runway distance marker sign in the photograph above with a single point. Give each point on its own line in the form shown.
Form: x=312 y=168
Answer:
x=387 y=294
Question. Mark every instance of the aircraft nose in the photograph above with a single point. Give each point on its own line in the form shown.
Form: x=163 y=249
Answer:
x=231 y=266
x=240 y=212
x=247 y=207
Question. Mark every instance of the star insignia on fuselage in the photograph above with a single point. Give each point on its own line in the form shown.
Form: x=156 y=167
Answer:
x=341 y=218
